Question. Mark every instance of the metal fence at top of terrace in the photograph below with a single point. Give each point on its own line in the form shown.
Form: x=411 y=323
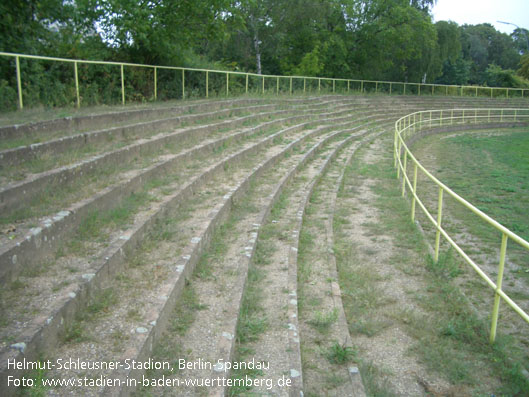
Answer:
x=411 y=124
x=249 y=82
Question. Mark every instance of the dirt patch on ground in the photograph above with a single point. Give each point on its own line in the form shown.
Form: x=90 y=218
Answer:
x=380 y=293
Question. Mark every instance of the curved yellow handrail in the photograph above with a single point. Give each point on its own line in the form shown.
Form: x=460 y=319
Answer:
x=412 y=123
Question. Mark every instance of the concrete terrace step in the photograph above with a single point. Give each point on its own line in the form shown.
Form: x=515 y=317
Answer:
x=47 y=236
x=207 y=186
x=82 y=294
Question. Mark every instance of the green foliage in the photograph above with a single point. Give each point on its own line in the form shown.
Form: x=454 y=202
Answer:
x=524 y=67
x=374 y=39
x=340 y=354
x=495 y=76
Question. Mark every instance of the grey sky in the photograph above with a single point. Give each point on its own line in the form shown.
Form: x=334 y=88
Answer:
x=474 y=12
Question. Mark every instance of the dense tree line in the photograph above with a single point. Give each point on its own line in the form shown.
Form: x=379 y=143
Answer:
x=362 y=39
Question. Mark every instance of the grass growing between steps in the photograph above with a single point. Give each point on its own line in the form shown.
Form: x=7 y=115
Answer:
x=252 y=320
x=169 y=347
x=450 y=338
x=96 y=225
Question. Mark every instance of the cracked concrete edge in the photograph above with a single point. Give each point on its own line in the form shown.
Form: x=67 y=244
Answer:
x=294 y=337
x=47 y=335
x=16 y=195
x=101 y=120
x=44 y=239
x=226 y=345
x=15 y=156
x=353 y=370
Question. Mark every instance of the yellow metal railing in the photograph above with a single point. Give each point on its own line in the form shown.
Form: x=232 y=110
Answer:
x=348 y=85
x=412 y=123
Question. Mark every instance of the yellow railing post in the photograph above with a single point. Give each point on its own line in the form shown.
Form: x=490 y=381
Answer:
x=183 y=84
x=507 y=92
x=441 y=119
x=395 y=145
x=122 y=86
x=304 y=84
x=76 y=75
x=19 y=83
x=207 y=84
x=376 y=87
x=404 y=165
x=488 y=116
x=496 y=307
x=491 y=92
x=227 y=84
x=439 y=217
x=263 y=85
x=390 y=88
x=476 y=91
x=404 y=89
x=319 y=85
x=414 y=192
x=277 y=86
x=333 y=86
x=362 y=86
x=398 y=154
x=155 y=85
x=433 y=87
x=419 y=93
x=501 y=117
x=247 y=83
x=291 y=86
x=349 y=82
x=446 y=91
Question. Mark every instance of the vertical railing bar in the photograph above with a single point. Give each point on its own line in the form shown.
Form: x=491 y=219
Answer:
x=76 y=75
x=184 y=84
x=19 y=83
x=122 y=86
x=155 y=85
x=414 y=192
x=246 y=83
x=227 y=84
x=207 y=84
x=496 y=307
x=439 y=217
x=277 y=86
x=404 y=165
x=291 y=86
